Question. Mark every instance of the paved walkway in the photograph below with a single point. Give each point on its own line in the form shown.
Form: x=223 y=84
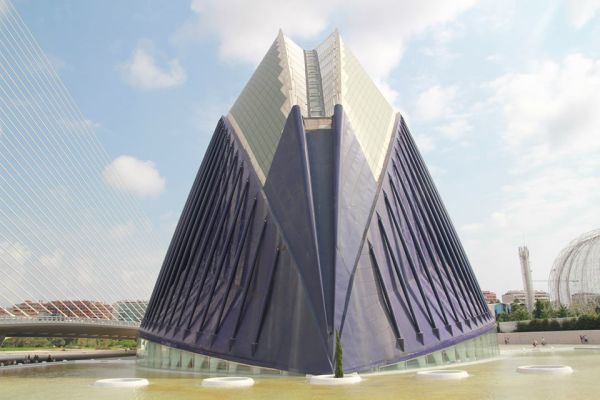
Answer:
x=522 y=348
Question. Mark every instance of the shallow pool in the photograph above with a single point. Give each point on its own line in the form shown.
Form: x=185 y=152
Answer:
x=492 y=380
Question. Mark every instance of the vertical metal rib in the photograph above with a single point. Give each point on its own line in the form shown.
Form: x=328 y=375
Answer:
x=314 y=86
x=401 y=279
x=416 y=244
x=411 y=264
x=387 y=305
x=236 y=263
x=267 y=301
x=431 y=251
x=462 y=264
x=217 y=273
x=249 y=281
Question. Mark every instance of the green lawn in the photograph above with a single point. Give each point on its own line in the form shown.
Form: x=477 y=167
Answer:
x=28 y=349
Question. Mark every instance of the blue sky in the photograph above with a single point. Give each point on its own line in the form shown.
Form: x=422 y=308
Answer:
x=502 y=97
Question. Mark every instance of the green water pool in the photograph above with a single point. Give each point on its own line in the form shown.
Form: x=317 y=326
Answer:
x=495 y=379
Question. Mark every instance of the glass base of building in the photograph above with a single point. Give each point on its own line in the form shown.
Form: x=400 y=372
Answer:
x=154 y=355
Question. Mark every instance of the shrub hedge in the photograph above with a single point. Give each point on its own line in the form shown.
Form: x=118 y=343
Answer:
x=583 y=322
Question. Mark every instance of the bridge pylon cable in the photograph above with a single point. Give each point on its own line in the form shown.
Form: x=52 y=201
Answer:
x=30 y=210
x=53 y=303
x=58 y=94
x=52 y=151
x=57 y=103
x=71 y=105
x=16 y=306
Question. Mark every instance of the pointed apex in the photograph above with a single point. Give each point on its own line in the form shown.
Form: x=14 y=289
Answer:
x=336 y=33
x=316 y=80
x=280 y=34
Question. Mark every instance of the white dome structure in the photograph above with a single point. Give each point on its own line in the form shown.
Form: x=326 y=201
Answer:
x=575 y=276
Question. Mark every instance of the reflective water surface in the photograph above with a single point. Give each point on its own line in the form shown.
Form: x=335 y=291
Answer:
x=491 y=380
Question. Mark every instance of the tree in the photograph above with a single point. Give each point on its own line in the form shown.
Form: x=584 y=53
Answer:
x=519 y=312
x=503 y=317
x=562 y=312
x=542 y=310
x=339 y=367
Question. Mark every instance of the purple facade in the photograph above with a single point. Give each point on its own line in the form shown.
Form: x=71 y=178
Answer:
x=266 y=274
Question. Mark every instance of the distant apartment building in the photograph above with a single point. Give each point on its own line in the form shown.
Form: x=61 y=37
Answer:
x=4 y=312
x=585 y=298
x=28 y=308
x=130 y=310
x=519 y=295
x=63 y=308
x=490 y=297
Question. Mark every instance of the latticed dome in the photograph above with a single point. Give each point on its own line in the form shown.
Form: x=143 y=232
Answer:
x=575 y=275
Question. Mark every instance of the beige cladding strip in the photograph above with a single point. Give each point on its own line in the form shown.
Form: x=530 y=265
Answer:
x=240 y=134
x=285 y=77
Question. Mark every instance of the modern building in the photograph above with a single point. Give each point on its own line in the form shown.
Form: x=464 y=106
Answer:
x=499 y=308
x=519 y=295
x=540 y=295
x=129 y=310
x=314 y=213
x=28 y=308
x=63 y=308
x=490 y=297
x=575 y=275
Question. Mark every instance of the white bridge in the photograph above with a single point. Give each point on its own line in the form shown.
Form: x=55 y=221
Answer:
x=51 y=326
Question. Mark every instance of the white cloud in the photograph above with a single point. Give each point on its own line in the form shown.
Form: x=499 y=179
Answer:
x=545 y=211
x=439 y=104
x=143 y=72
x=495 y=58
x=53 y=260
x=123 y=231
x=497 y=16
x=552 y=133
x=245 y=29
x=473 y=228
x=380 y=45
x=582 y=11
x=425 y=143
x=377 y=31
x=14 y=253
x=135 y=176
x=550 y=198
x=456 y=127
x=439 y=49
x=435 y=102
x=499 y=219
x=79 y=125
x=551 y=111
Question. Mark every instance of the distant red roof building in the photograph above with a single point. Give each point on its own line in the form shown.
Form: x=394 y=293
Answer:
x=64 y=308
x=490 y=297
